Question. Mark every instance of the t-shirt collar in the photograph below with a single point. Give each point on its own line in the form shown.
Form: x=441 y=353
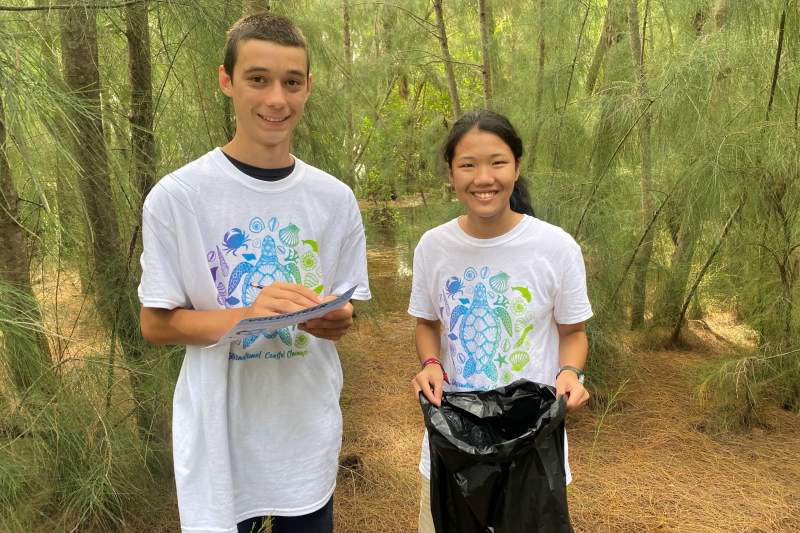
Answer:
x=508 y=236
x=240 y=177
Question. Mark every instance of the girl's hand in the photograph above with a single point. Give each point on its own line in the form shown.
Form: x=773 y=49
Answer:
x=429 y=381
x=567 y=384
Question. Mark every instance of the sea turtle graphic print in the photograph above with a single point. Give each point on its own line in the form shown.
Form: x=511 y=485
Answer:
x=264 y=254
x=488 y=321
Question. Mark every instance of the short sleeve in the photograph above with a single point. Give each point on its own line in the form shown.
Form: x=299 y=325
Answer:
x=351 y=267
x=420 y=304
x=162 y=284
x=572 y=300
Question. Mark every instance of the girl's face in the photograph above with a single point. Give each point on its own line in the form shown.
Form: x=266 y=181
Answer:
x=483 y=172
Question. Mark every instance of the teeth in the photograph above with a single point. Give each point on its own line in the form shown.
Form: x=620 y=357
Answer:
x=484 y=195
x=272 y=119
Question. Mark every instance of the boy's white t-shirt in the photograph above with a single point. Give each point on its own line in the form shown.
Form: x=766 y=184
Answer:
x=256 y=424
x=499 y=302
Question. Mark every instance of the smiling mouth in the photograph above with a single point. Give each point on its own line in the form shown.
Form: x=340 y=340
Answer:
x=484 y=195
x=273 y=120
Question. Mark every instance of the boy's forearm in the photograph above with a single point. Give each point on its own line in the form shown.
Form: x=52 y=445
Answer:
x=427 y=339
x=187 y=326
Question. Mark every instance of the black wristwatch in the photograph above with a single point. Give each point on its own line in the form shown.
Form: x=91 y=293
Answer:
x=578 y=372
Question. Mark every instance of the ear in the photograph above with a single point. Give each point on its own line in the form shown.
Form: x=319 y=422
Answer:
x=225 y=81
x=518 y=165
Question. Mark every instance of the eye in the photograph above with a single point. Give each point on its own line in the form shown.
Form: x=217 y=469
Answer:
x=258 y=79
x=499 y=162
x=294 y=83
x=466 y=165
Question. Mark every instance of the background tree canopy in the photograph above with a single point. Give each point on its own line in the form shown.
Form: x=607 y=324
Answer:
x=664 y=135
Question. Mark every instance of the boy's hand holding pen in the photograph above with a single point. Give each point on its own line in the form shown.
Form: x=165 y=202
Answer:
x=281 y=297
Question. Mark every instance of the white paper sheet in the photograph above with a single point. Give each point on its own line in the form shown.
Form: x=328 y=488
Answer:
x=256 y=325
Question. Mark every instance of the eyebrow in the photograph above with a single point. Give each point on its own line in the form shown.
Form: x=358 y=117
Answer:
x=490 y=156
x=293 y=72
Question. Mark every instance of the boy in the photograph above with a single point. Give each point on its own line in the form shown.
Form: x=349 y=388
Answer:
x=250 y=230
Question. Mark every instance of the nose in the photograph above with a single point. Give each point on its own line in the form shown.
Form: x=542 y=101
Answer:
x=275 y=95
x=483 y=175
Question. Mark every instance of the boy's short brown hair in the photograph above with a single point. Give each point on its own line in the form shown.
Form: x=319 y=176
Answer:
x=266 y=27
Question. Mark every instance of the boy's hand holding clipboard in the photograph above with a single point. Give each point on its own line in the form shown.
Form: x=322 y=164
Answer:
x=281 y=304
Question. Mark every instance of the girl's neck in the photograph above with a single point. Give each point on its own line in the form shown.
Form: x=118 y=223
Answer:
x=488 y=228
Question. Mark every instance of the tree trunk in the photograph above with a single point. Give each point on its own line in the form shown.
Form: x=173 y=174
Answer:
x=349 y=133
x=143 y=145
x=720 y=13
x=114 y=293
x=674 y=286
x=609 y=135
x=448 y=61
x=685 y=228
x=68 y=202
x=26 y=352
x=486 y=67
x=640 y=277
x=676 y=331
x=603 y=44
x=537 y=99
x=775 y=191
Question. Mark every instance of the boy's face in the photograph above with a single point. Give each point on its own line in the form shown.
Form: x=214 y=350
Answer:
x=269 y=89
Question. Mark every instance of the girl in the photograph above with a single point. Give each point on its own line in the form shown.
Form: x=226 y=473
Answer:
x=498 y=294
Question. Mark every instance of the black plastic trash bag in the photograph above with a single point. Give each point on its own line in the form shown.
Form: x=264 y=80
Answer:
x=497 y=460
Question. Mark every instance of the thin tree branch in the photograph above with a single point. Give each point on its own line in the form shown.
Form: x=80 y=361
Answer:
x=69 y=6
x=378 y=110
x=429 y=27
x=641 y=241
x=596 y=184
x=569 y=84
x=167 y=73
x=781 y=27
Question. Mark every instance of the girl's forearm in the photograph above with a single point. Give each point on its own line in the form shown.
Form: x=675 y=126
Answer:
x=573 y=348
x=427 y=339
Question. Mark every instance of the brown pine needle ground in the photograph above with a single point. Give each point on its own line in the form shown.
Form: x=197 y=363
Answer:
x=647 y=464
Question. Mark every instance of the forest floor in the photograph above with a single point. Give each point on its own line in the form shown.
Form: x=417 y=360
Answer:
x=649 y=464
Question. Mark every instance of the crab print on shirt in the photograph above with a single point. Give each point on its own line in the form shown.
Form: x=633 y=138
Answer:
x=247 y=259
x=488 y=321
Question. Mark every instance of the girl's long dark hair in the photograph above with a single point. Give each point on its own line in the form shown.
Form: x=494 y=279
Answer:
x=492 y=122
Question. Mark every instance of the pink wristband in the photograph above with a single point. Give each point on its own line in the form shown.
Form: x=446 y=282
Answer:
x=435 y=361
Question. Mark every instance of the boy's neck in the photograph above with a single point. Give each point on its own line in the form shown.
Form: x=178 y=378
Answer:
x=259 y=156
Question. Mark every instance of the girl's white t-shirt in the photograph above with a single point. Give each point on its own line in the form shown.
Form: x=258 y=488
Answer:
x=256 y=424
x=499 y=302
